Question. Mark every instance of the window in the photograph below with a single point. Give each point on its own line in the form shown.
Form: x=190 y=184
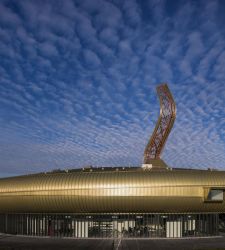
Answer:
x=215 y=195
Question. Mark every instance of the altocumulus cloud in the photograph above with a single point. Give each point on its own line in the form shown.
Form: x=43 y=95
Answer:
x=78 y=78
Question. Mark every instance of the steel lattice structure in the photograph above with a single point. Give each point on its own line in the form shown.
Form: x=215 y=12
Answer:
x=164 y=125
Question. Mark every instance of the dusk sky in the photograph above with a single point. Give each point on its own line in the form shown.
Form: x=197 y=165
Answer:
x=78 y=79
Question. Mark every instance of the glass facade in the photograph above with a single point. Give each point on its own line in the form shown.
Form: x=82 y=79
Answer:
x=111 y=225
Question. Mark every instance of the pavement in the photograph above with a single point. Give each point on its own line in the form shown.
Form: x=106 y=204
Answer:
x=8 y=242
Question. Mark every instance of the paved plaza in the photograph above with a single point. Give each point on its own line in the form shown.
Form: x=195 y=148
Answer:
x=8 y=242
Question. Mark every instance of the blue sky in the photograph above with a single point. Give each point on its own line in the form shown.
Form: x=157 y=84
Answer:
x=78 y=78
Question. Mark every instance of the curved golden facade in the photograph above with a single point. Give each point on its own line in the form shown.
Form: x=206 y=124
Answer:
x=122 y=190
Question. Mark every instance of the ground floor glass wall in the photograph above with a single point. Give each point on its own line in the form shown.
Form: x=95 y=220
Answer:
x=110 y=225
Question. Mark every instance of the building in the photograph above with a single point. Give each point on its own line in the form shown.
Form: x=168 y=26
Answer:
x=149 y=201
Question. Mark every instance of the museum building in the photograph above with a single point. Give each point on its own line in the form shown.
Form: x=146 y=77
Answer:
x=153 y=200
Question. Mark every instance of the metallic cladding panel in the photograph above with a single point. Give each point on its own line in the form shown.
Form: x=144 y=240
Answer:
x=170 y=191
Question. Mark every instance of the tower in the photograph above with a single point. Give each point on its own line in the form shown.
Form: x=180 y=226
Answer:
x=162 y=129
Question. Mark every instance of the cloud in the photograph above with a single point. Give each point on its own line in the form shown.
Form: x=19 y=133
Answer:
x=91 y=60
x=109 y=37
x=48 y=50
x=78 y=78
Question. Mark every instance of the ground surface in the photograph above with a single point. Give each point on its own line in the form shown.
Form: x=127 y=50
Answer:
x=32 y=243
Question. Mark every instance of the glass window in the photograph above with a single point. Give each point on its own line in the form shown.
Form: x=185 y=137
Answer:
x=215 y=195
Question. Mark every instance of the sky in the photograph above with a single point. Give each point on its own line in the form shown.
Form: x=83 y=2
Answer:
x=78 y=82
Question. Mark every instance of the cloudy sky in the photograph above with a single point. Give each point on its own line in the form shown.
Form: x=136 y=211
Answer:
x=78 y=79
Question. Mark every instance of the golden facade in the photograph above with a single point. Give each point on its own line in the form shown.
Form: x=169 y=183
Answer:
x=124 y=190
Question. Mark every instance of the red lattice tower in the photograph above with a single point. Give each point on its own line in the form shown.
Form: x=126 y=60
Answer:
x=164 y=125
